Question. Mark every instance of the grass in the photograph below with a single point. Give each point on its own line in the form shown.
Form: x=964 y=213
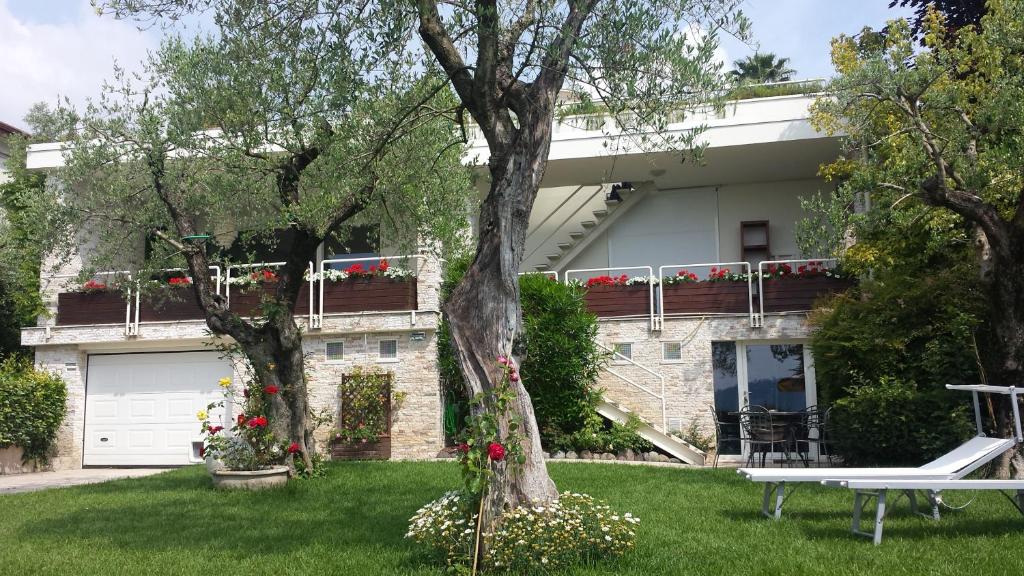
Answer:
x=353 y=521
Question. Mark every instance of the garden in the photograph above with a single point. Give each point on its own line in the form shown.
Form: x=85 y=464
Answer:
x=354 y=521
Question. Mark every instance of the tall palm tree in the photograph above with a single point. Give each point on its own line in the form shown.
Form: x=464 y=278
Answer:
x=762 y=68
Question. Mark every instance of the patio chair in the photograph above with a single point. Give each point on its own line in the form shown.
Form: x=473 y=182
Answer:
x=761 y=434
x=954 y=465
x=721 y=438
x=820 y=423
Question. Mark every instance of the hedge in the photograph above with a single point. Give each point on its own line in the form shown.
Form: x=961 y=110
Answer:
x=32 y=407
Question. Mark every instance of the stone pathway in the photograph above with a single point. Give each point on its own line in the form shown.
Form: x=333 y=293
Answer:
x=12 y=483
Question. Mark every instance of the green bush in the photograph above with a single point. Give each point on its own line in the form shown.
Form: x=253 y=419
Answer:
x=32 y=407
x=892 y=423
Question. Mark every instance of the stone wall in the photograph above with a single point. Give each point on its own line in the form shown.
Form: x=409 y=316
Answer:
x=689 y=388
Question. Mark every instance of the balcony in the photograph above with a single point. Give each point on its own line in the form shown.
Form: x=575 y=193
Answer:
x=707 y=289
x=334 y=287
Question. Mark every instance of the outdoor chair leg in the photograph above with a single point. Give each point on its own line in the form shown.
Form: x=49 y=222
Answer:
x=778 y=489
x=859 y=501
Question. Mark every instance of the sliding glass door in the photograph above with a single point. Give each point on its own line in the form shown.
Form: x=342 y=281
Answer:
x=775 y=374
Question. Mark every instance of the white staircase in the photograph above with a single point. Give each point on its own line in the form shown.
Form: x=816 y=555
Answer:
x=665 y=442
x=625 y=381
x=572 y=226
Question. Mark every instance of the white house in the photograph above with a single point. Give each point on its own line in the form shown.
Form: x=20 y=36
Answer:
x=137 y=375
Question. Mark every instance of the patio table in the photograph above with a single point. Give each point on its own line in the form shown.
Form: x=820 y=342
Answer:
x=786 y=429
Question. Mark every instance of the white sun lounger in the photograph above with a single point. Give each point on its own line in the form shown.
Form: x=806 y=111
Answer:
x=953 y=465
x=866 y=489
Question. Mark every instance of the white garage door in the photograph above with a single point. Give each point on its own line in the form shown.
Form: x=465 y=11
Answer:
x=140 y=409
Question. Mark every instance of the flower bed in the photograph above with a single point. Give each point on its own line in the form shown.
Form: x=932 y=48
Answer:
x=785 y=290
x=94 y=304
x=613 y=296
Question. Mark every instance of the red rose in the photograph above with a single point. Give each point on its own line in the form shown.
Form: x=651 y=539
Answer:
x=513 y=376
x=464 y=448
x=261 y=421
x=215 y=429
x=179 y=281
x=245 y=392
x=241 y=419
x=202 y=451
x=383 y=266
x=293 y=447
x=495 y=451
x=271 y=389
x=252 y=423
x=373 y=269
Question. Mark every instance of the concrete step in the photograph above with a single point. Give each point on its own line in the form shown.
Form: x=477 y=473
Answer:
x=563 y=246
x=600 y=214
x=553 y=257
x=541 y=267
x=587 y=224
x=577 y=235
x=671 y=444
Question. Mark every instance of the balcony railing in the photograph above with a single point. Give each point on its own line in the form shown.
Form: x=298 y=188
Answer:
x=721 y=288
x=244 y=286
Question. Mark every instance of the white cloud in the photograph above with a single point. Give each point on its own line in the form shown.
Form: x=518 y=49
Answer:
x=40 y=61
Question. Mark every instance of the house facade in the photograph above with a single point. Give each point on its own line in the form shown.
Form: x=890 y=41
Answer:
x=137 y=374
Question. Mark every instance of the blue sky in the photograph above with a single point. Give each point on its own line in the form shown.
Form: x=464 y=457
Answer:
x=56 y=48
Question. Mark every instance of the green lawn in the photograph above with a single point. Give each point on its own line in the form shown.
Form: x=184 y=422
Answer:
x=352 y=522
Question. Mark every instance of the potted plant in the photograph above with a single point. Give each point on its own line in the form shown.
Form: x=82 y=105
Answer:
x=787 y=290
x=245 y=454
x=94 y=302
x=367 y=405
x=379 y=287
x=613 y=296
x=723 y=292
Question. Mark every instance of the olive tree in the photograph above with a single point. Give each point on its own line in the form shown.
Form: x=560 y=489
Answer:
x=271 y=129
x=511 y=65
x=934 y=136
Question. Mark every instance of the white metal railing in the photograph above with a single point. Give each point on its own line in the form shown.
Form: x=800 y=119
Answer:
x=661 y=290
x=767 y=263
x=317 y=321
x=551 y=273
x=661 y=379
x=651 y=281
x=264 y=266
x=129 y=328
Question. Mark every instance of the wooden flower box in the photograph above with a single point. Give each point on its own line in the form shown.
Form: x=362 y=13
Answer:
x=373 y=294
x=94 y=307
x=794 y=293
x=362 y=449
x=179 y=303
x=723 y=297
x=246 y=301
x=614 y=301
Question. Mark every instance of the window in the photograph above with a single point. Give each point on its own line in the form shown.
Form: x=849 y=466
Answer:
x=623 y=351
x=334 y=351
x=671 y=351
x=388 y=350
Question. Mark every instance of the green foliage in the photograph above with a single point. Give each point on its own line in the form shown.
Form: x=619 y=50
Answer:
x=560 y=360
x=597 y=435
x=576 y=529
x=762 y=67
x=893 y=423
x=746 y=92
x=32 y=407
x=695 y=436
x=367 y=403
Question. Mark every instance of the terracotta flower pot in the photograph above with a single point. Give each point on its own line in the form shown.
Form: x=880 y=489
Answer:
x=250 y=479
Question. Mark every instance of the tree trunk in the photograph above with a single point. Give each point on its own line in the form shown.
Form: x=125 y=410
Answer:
x=484 y=315
x=1003 y=335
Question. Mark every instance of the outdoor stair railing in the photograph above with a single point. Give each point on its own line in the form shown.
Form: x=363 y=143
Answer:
x=660 y=395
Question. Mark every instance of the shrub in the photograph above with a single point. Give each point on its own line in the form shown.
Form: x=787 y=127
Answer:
x=598 y=435
x=893 y=423
x=32 y=407
x=575 y=529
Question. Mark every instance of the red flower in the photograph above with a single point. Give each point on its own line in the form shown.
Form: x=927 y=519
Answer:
x=261 y=421
x=502 y=360
x=202 y=451
x=293 y=447
x=245 y=392
x=373 y=269
x=271 y=389
x=355 y=269
x=383 y=265
x=464 y=448
x=179 y=281
x=94 y=285
x=241 y=419
x=214 y=429
x=269 y=275
x=513 y=376
x=495 y=451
